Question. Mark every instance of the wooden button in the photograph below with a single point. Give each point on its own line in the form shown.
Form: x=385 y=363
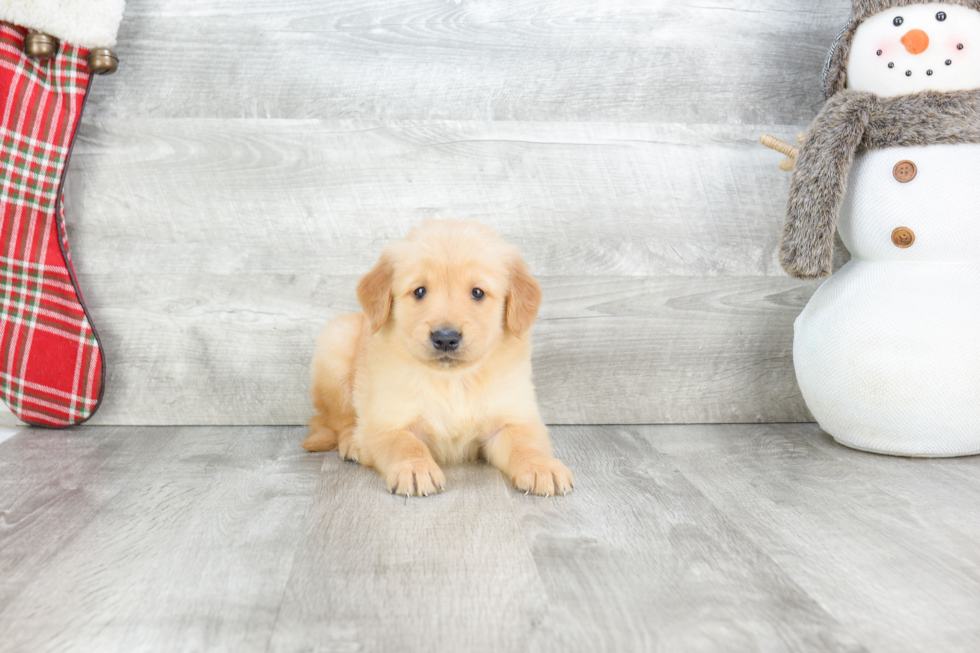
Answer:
x=905 y=171
x=903 y=237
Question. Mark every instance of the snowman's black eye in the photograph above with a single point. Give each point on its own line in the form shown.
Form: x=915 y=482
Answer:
x=959 y=47
x=898 y=21
x=949 y=62
x=941 y=16
x=891 y=65
x=879 y=53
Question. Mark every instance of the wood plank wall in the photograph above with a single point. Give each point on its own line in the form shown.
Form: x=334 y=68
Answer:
x=250 y=160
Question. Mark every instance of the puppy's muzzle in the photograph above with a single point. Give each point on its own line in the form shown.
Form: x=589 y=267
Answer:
x=446 y=339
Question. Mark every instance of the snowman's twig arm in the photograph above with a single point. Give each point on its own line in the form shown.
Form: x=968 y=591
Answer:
x=820 y=182
x=780 y=146
x=791 y=151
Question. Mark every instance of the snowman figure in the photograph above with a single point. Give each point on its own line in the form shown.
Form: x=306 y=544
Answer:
x=887 y=351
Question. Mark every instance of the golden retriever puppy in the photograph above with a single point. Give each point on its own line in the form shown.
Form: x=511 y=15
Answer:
x=437 y=369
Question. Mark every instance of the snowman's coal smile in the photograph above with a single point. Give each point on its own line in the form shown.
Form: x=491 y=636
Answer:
x=930 y=72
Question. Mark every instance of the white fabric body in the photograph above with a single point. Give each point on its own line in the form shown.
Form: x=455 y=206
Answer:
x=910 y=73
x=85 y=23
x=887 y=352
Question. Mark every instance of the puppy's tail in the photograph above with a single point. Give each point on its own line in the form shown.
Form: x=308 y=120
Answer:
x=321 y=437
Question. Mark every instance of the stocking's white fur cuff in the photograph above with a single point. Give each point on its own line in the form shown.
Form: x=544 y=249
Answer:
x=86 y=23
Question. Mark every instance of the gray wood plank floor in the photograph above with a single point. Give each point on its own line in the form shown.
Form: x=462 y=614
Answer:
x=678 y=538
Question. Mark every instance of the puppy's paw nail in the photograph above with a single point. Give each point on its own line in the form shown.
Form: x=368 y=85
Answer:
x=545 y=477
x=418 y=478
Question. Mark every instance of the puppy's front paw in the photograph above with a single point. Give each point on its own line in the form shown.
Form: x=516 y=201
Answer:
x=345 y=445
x=416 y=478
x=543 y=476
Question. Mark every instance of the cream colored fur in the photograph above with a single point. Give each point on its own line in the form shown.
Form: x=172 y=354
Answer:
x=388 y=399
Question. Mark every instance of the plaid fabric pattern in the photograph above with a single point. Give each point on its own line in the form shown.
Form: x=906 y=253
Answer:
x=51 y=368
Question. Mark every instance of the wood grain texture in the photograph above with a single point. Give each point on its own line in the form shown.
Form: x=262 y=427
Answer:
x=677 y=538
x=118 y=540
x=662 y=296
x=235 y=196
x=741 y=61
x=52 y=485
x=641 y=560
x=609 y=349
x=901 y=531
x=248 y=162
x=454 y=569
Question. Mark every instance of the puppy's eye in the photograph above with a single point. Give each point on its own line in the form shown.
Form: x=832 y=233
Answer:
x=898 y=21
x=477 y=294
x=419 y=292
x=941 y=16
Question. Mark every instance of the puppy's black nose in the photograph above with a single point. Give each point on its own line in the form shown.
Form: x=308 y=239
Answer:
x=446 y=339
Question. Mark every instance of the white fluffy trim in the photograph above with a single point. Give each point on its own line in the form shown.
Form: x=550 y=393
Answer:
x=85 y=23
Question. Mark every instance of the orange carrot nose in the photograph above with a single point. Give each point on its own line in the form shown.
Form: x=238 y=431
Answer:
x=916 y=41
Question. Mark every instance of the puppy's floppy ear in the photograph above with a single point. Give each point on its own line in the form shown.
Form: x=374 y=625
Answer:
x=374 y=292
x=523 y=300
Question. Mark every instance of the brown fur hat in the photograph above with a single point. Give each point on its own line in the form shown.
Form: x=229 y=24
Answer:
x=834 y=75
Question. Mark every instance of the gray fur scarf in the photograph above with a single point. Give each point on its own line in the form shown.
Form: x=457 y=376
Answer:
x=850 y=122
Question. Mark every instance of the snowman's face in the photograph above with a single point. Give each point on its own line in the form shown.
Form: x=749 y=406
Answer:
x=928 y=47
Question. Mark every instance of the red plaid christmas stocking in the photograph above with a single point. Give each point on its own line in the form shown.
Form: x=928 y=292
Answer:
x=51 y=363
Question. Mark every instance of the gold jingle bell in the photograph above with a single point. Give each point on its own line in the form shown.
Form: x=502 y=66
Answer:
x=102 y=61
x=40 y=46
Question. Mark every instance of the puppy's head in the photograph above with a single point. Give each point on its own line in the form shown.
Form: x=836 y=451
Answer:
x=451 y=292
